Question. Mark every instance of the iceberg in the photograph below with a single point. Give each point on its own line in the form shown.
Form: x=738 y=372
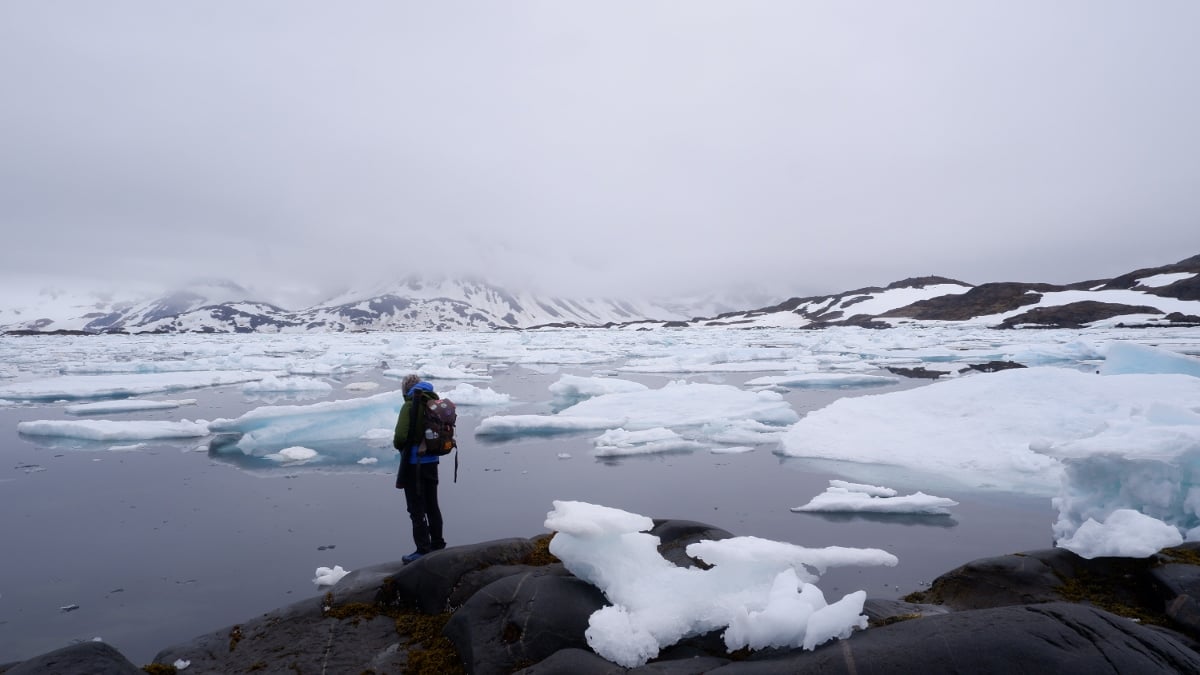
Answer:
x=269 y=428
x=618 y=442
x=676 y=405
x=837 y=499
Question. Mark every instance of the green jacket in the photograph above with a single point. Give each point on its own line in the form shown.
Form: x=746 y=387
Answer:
x=410 y=423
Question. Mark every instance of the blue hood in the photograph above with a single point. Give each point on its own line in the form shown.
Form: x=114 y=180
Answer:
x=420 y=386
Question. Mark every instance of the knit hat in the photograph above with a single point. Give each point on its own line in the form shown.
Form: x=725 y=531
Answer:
x=409 y=382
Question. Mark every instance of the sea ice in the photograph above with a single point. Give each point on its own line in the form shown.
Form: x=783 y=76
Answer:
x=112 y=430
x=273 y=384
x=1122 y=358
x=618 y=442
x=125 y=405
x=118 y=386
x=826 y=380
x=576 y=388
x=676 y=405
x=468 y=394
x=846 y=500
x=268 y=428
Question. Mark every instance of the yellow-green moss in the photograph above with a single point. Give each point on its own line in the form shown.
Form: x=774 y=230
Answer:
x=428 y=650
x=540 y=555
x=1098 y=593
x=354 y=611
x=1186 y=556
x=437 y=654
x=887 y=621
x=160 y=669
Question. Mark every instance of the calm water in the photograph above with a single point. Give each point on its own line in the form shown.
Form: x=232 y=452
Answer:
x=160 y=544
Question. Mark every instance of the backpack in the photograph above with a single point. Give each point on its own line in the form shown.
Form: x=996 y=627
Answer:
x=440 y=417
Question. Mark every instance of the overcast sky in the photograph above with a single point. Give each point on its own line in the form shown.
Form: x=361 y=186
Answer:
x=599 y=147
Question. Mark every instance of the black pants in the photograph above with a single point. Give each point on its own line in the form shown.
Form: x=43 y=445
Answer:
x=423 y=509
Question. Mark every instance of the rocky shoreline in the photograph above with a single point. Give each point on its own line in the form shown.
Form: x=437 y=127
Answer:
x=508 y=606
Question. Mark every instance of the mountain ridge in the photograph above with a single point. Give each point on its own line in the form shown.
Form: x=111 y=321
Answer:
x=1164 y=295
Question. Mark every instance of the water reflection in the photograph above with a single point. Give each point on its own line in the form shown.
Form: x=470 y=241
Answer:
x=906 y=519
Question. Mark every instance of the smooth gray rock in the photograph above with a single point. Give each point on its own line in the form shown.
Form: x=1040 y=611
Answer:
x=509 y=615
x=85 y=658
x=429 y=582
x=696 y=665
x=299 y=638
x=676 y=535
x=1016 y=579
x=573 y=661
x=882 y=611
x=522 y=619
x=1060 y=638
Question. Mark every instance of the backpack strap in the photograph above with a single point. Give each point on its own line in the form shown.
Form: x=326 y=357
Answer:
x=413 y=429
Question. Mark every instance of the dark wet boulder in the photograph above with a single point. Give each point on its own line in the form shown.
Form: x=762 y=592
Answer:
x=883 y=612
x=509 y=606
x=1178 y=579
x=1162 y=591
x=674 y=536
x=1061 y=638
x=573 y=661
x=311 y=636
x=522 y=619
x=1016 y=579
x=85 y=658
x=428 y=583
x=373 y=619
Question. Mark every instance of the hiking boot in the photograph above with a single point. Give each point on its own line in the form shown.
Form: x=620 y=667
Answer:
x=415 y=555
x=439 y=546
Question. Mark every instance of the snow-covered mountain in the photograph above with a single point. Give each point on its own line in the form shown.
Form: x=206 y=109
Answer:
x=412 y=304
x=1166 y=295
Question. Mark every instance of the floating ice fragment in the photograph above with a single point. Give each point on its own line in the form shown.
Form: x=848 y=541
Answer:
x=125 y=405
x=842 y=500
x=273 y=384
x=873 y=490
x=468 y=394
x=824 y=380
x=296 y=455
x=114 y=430
x=328 y=576
x=617 y=442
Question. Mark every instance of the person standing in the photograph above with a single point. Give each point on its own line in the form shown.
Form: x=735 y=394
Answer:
x=418 y=475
